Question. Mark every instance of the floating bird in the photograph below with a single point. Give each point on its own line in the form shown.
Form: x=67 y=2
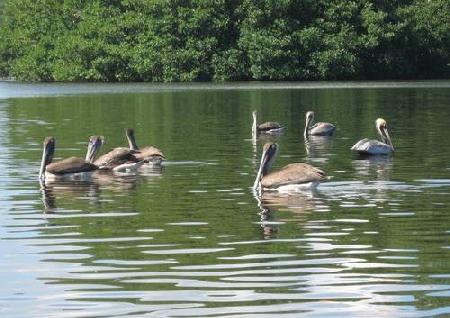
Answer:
x=269 y=127
x=120 y=159
x=319 y=129
x=292 y=177
x=375 y=147
x=70 y=168
x=149 y=154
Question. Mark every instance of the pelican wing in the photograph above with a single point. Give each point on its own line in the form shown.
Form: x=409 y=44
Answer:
x=269 y=126
x=294 y=173
x=70 y=165
x=149 y=152
x=372 y=147
x=115 y=157
x=322 y=129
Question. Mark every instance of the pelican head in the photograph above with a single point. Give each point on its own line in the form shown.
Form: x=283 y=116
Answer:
x=47 y=156
x=129 y=132
x=95 y=142
x=381 y=125
x=269 y=153
x=309 y=120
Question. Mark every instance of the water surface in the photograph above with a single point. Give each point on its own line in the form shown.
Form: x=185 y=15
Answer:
x=191 y=240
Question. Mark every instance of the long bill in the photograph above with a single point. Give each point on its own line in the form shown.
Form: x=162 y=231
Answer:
x=47 y=157
x=257 y=183
x=43 y=165
x=263 y=167
x=387 y=137
x=131 y=140
x=307 y=123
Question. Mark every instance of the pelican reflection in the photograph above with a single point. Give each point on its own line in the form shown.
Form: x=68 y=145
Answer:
x=318 y=146
x=65 y=191
x=272 y=206
x=374 y=167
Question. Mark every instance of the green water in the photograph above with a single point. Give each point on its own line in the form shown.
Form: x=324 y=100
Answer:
x=191 y=240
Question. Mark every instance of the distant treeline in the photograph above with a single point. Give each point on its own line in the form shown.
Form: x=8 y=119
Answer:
x=203 y=40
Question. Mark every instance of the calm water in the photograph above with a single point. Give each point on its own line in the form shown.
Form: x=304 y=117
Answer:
x=190 y=240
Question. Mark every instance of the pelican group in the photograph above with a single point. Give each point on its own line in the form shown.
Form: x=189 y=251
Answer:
x=292 y=177
x=69 y=168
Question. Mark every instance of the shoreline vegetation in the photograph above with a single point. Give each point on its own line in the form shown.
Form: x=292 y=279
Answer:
x=224 y=40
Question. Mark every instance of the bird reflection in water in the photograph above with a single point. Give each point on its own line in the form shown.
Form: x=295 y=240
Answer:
x=68 y=190
x=375 y=170
x=374 y=167
x=90 y=191
x=318 y=146
x=300 y=205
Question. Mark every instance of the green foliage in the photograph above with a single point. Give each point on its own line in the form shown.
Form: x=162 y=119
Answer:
x=201 y=40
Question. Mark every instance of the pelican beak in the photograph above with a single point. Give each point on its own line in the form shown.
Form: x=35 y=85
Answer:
x=267 y=156
x=307 y=124
x=47 y=157
x=385 y=133
x=129 y=132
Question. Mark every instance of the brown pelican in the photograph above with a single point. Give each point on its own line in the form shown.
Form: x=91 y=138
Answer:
x=149 y=154
x=73 y=167
x=293 y=177
x=319 y=129
x=375 y=147
x=269 y=127
x=119 y=159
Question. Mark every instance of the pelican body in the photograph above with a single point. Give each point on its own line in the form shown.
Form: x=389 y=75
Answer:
x=318 y=129
x=270 y=127
x=69 y=168
x=376 y=147
x=120 y=159
x=292 y=177
x=149 y=154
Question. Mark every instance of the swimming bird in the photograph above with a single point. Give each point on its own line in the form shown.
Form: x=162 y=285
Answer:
x=375 y=147
x=69 y=168
x=270 y=127
x=120 y=159
x=318 y=129
x=148 y=153
x=292 y=177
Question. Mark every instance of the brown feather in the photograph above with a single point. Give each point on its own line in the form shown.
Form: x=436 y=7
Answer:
x=148 y=152
x=70 y=165
x=269 y=125
x=294 y=173
x=115 y=157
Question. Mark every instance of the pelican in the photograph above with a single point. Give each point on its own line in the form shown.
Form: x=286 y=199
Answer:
x=319 y=129
x=375 y=147
x=69 y=168
x=149 y=154
x=293 y=177
x=269 y=127
x=120 y=159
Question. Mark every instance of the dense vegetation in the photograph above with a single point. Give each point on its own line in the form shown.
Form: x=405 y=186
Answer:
x=201 y=40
